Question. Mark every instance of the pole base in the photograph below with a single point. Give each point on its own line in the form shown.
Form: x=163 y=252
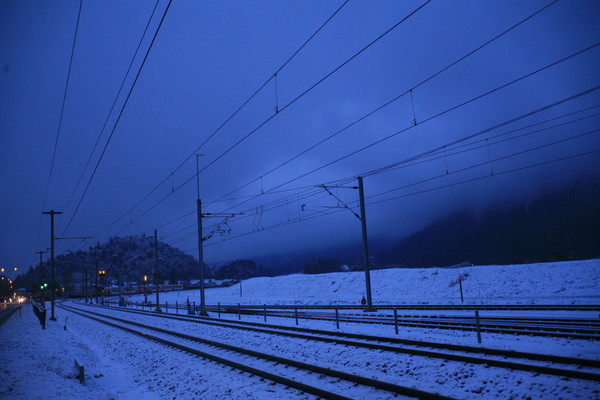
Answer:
x=52 y=318
x=203 y=314
x=369 y=309
x=157 y=309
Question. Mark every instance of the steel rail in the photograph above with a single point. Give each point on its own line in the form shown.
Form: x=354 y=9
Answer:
x=537 y=330
x=454 y=307
x=335 y=337
x=381 y=385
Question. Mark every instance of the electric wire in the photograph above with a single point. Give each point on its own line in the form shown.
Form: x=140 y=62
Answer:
x=497 y=88
x=389 y=102
x=435 y=116
x=265 y=207
x=443 y=113
x=230 y=148
x=438 y=153
x=470 y=180
x=368 y=114
x=112 y=107
x=544 y=108
x=564 y=100
x=60 y=120
x=119 y=116
x=487 y=175
x=473 y=166
x=231 y=116
x=306 y=91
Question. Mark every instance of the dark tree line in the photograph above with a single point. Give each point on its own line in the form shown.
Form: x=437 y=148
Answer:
x=561 y=226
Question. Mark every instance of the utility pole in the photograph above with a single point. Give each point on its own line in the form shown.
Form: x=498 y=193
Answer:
x=363 y=220
x=156 y=269
x=85 y=285
x=52 y=213
x=96 y=288
x=200 y=248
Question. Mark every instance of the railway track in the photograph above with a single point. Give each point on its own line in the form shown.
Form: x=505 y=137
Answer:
x=576 y=368
x=279 y=373
x=575 y=328
x=447 y=307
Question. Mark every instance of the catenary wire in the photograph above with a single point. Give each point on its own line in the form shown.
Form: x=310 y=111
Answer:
x=427 y=120
x=306 y=91
x=231 y=116
x=119 y=116
x=60 y=120
x=486 y=176
x=112 y=107
x=389 y=102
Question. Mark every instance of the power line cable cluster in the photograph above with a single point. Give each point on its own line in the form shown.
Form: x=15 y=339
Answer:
x=112 y=107
x=60 y=120
x=268 y=119
x=455 y=148
x=221 y=126
x=112 y=132
x=321 y=142
x=323 y=212
x=302 y=196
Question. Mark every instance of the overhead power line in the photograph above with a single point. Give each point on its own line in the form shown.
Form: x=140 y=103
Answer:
x=564 y=100
x=315 y=85
x=263 y=123
x=229 y=118
x=424 y=121
x=119 y=116
x=391 y=101
x=112 y=107
x=448 y=110
x=447 y=173
x=62 y=111
x=317 y=214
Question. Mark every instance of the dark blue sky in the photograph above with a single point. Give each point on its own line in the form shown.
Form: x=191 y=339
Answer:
x=209 y=57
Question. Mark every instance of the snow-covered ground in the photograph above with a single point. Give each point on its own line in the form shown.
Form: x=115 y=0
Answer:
x=543 y=283
x=39 y=364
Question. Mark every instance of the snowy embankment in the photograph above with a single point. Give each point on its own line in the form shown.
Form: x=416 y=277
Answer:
x=542 y=283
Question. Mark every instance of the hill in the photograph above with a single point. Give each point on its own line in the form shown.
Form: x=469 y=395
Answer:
x=559 y=226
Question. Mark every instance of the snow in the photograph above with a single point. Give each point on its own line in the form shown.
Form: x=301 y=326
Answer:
x=541 y=283
x=39 y=364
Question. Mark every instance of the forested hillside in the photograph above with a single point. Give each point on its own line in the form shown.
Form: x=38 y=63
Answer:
x=563 y=225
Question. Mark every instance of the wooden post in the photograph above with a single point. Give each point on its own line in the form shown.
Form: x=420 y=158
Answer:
x=477 y=326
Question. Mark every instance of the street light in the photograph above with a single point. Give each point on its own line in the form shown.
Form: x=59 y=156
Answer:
x=101 y=273
x=145 y=289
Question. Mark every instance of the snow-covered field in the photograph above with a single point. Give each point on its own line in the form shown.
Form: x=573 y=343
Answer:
x=544 y=283
x=39 y=364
